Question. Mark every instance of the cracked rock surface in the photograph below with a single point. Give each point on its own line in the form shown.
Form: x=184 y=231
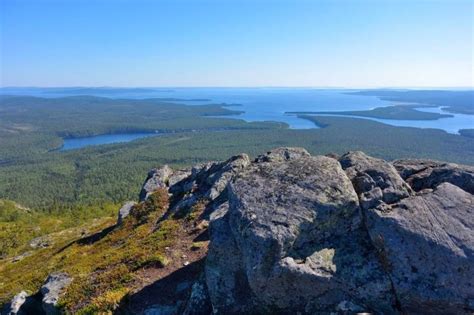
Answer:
x=315 y=235
x=294 y=233
x=291 y=233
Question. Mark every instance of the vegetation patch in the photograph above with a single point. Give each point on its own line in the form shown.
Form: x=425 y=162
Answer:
x=102 y=263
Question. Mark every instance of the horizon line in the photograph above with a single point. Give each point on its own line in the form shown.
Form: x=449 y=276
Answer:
x=234 y=87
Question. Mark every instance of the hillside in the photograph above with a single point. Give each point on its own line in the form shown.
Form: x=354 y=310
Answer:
x=285 y=233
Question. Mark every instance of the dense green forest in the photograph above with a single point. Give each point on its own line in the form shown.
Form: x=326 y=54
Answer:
x=33 y=174
x=30 y=125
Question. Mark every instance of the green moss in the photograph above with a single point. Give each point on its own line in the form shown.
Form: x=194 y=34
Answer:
x=102 y=269
x=156 y=203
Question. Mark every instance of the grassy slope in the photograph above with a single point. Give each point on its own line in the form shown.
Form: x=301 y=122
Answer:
x=109 y=262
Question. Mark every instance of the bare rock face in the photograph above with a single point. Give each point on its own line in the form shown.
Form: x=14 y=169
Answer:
x=125 y=211
x=294 y=233
x=52 y=289
x=424 y=174
x=157 y=178
x=293 y=230
x=426 y=243
x=282 y=154
x=207 y=182
x=376 y=181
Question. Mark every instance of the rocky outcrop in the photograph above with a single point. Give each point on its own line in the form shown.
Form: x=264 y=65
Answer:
x=423 y=174
x=424 y=240
x=40 y=242
x=15 y=305
x=295 y=233
x=294 y=227
x=42 y=302
x=206 y=182
x=157 y=178
x=376 y=181
x=51 y=290
x=125 y=211
x=426 y=244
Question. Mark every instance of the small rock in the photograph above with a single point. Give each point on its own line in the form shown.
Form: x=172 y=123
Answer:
x=204 y=224
x=54 y=286
x=21 y=257
x=40 y=242
x=125 y=211
x=157 y=178
x=14 y=307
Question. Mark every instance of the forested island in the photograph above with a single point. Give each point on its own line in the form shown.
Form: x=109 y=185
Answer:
x=401 y=112
x=451 y=101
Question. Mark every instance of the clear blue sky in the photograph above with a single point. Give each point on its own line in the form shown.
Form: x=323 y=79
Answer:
x=236 y=43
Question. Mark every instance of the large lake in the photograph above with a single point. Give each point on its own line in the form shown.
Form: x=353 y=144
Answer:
x=77 y=143
x=258 y=104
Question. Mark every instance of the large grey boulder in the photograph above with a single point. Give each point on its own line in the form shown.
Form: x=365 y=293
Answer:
x=293 y=230
x=14 y=307
x=423 y=174
x=424 y=241
x=52 y=289
x=294 y=233
x=317 y=235
x=427 y=245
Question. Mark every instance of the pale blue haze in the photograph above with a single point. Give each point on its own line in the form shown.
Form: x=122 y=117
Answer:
x=236 y=43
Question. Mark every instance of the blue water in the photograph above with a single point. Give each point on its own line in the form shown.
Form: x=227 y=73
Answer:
x=77 y=143
x=270 y=104
x=448 y=124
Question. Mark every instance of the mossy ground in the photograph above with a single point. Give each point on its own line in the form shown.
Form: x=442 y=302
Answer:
x=108 y=262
